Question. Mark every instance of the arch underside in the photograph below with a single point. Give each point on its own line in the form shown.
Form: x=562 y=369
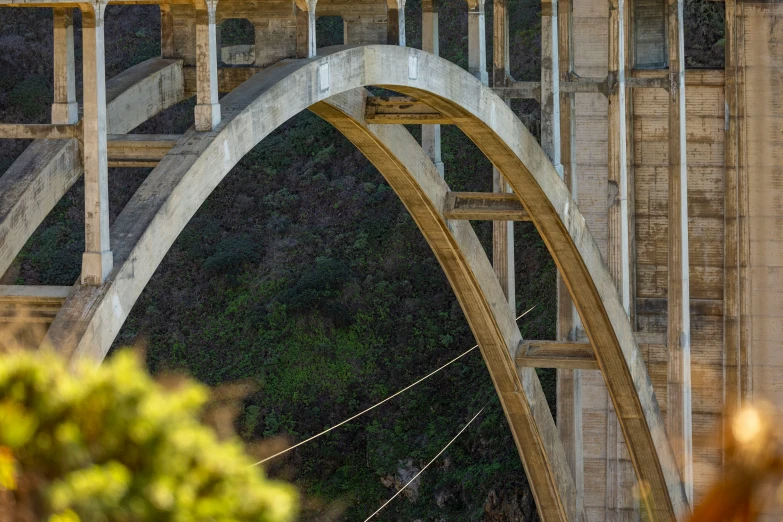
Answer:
x=332 y=86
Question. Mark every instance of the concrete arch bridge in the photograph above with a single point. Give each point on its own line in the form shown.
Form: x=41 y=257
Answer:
x=600 y=310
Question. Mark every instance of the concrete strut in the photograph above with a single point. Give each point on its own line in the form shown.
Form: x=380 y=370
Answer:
x=173 y=192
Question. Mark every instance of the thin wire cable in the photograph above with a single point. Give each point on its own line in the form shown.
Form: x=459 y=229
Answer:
x=387 y=399
x=428 y=464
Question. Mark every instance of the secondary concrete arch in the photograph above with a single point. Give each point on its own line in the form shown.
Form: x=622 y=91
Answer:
x=141 y=235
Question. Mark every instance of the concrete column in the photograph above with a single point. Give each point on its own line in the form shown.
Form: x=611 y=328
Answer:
x=502 y=231
x=219 y=44
x=503 y=247
x=207 y=104
x=501 y=62
x=477 y=41
x=617 y=147
x=430 y=134
x=166 y=31
x=395 y=22
x=305 y=31
x=570 y=421
x=679 y=417
x=65 y=108
x=550 y=84
x=97 y=259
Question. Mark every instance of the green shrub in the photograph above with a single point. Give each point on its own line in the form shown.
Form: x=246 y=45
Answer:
x=237 y=31
x=199 y=237
x=109 y=444
x=230 y=255
x=318 y=288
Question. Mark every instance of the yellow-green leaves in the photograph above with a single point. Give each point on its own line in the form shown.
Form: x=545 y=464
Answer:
x=111 y=444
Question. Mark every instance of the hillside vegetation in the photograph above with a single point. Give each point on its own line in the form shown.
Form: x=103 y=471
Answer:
x=304 y=275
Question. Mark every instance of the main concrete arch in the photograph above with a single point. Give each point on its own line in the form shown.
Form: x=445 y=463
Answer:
x=143 y=233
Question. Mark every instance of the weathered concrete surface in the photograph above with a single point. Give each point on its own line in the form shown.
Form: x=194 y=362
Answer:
x=142 y=234
x=45 y=171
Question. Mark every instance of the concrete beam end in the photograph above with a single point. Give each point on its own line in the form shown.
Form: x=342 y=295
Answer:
x=65 y=113
x=207 y=116
x=96 y=267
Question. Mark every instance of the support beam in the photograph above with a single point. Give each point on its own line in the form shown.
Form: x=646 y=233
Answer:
x=305 y=28
x=647 y=83
x=395 y=22
x=430 y=42
x=402 y=110
x=97 y=259
x=484 y=206
x=139 y=150
x=24 y=131
x=519 y=91
x=207 y=103
x=679 y=417
x=554 y=354
x=31 y=304
x=532 y=90
x=586 y=85
x=65 y=108
x=477 y=41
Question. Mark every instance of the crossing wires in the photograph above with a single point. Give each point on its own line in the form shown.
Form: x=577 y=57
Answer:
x=387 y=399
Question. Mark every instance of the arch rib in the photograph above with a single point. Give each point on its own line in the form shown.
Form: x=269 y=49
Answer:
x=413 y=176
x=173 y=192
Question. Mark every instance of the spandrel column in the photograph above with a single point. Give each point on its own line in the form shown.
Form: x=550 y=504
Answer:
x=97 y=259
x=430 y=134
x=477 y=41
x=207 y=103
x=65 y=109
x=305 y=29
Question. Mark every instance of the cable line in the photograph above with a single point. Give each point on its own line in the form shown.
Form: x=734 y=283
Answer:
x=387 y=399
x=428 y=464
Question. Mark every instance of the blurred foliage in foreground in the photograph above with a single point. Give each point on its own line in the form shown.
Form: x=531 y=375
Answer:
x=111 y=444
